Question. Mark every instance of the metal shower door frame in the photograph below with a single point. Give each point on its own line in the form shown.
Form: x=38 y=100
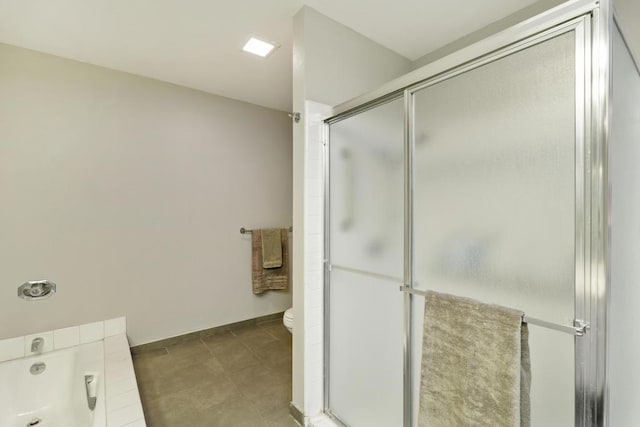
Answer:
x=591 y=21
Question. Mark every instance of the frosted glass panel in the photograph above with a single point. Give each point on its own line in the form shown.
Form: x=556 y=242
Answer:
x=366 y=353
x=367 y=182
x=494 y=201
x=494 y=182
x=624 y=155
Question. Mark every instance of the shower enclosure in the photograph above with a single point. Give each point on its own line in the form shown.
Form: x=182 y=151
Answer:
x=506 y=172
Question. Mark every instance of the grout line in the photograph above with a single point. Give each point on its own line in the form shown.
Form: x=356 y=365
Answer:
x=218 y=335
x=206 y=346
x=262 y=322
x=272 y=335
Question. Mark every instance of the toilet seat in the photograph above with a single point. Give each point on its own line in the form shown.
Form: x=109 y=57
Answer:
x=287 y=319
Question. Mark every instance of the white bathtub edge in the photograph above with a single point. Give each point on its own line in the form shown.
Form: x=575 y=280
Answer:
x=122 y=397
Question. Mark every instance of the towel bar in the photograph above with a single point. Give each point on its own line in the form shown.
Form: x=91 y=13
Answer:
x=246 y=230
x=579 y=328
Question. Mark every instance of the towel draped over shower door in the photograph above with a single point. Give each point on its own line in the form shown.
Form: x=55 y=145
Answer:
x=475 y=365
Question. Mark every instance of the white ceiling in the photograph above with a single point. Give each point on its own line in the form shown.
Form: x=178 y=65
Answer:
x=197 y=43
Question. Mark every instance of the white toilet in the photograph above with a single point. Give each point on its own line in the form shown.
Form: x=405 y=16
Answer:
x=287 y=319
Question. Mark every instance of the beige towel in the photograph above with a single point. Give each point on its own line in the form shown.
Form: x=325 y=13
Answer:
x=475 y=365
x=271 y=248
x=271 y=278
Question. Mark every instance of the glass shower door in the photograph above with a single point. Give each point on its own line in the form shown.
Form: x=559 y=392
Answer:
x=366 y=158
x=494 y=204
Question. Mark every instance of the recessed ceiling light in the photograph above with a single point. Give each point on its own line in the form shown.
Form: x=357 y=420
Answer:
x=259 y=47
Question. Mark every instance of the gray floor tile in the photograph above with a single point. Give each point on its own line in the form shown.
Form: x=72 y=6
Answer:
x=273 y=353
x=281 y=421
x=237 y=378
x=255 y=337
x=240 y=412
x=277 y=330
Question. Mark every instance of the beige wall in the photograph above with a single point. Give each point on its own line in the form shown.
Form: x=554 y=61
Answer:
x=331 y=64
x=489 y=30
x=341 y=64
x=129 y=193
x=628 y=14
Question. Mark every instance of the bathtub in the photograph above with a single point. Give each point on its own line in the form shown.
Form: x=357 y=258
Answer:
x=57 y=396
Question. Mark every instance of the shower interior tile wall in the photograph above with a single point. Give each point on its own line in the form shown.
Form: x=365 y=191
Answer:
x=314 y=255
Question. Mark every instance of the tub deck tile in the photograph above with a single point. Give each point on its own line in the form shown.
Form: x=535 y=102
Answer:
x=124 y=407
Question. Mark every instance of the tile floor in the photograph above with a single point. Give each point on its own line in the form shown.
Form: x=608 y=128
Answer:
x=240 y=377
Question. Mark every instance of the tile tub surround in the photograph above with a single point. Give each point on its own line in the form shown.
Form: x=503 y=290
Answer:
x=122 y=398
x=236 y=377
x=15 y=348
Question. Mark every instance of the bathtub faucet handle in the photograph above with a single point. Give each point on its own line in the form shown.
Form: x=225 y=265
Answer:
x=90 y=382
x=37 y=345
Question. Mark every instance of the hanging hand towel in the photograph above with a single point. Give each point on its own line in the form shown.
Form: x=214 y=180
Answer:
x=264 y=279
x=475 y=365
x=271 y=248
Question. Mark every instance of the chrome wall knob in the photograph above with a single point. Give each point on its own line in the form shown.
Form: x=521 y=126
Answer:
x=36 y=289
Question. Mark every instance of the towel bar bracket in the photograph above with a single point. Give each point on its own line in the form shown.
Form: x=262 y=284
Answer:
x=579 y=327
x=246 y=230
